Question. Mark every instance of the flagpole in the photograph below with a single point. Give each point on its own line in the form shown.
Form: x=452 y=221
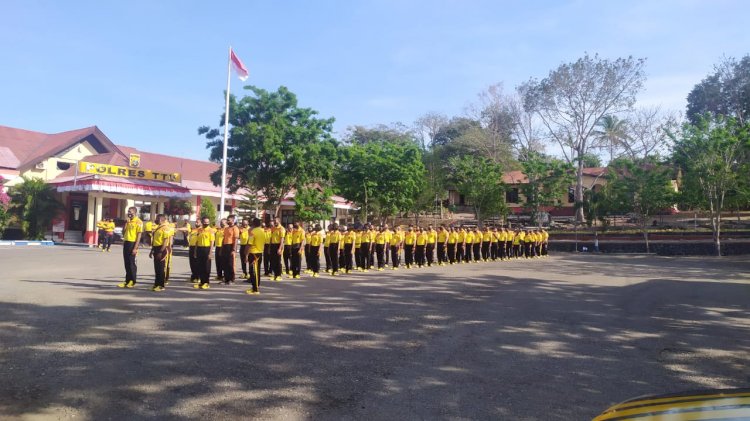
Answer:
x=226 y=131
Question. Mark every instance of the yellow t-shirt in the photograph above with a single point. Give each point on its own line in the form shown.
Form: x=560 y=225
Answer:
x=149 y=226
x=219 y=240
x=545 y=236
x=161 y=235
x=395 y=238
x=357 y=239
x=388 y=235
x=315 y=239
x=350 y=237
x=308 y=236
x=380 y=238
x=131 y=229
x=333 y=237
x=487 y=236
x=204 y=236
x=193 y=238
x=410 y=238
x=109 y=227
x=278 y=234
x=469 y=237
x=432 y=236
x=422 y=238
x=257 y=240
x=452 y=237
x=442 y=236
x=297 y=236
x=244 y=236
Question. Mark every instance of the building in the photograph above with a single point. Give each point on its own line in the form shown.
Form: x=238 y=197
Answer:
x=96 y=178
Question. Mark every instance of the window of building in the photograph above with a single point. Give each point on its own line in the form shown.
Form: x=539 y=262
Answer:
x=62 y=166
x=287 y=216
x=511 y=196
x=571 y=195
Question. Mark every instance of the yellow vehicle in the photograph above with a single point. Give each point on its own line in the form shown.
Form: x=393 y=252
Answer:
x=733 y=404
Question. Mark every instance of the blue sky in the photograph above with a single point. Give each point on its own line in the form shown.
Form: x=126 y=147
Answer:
x=149 y=73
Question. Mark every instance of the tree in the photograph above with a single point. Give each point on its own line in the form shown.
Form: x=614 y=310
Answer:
x=647 y=132
x=386 y=176
x=709 y=154
x=725 y=92
x=274 y=146
x=572 y=99
x=480 y=180
x=427 y=127
x=313 y=204
x=641 y=187
x=34 y=203
x=591 y=160
x=548 y=181
x=4 y=202
x=208 y=210
x=397 y=132
x=611 y=133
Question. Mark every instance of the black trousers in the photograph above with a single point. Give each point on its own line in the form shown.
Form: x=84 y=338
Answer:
x=441 y=257
x=328 y=257
x=544 y=249
x=419 y=255
x=287 y=258
x=451 y=253
x=358 y=256
x=348 y=264
x=485 y=250
x=430 y=253
x=380 y=252
x=460 y=252
x=366 y=256
x=218 y=260
x=342 y=258
x=131 y=269
x=508 y=249
x=256 y=260
x=267 y=259
x=203 y=264
x=227 y=266
x=394 y=257
x=314 y=259
x=160 y=270
x=296 y=259
x=275 y=264
x=493 y=250
x=244 y=257
x=408 y=255
x=193 y=263
x=387 y=247
x=333 y=253
x=307 y=257
x=477 y=251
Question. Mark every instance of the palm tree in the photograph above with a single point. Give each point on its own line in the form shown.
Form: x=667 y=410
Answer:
x=34 y=204
x=612 y=133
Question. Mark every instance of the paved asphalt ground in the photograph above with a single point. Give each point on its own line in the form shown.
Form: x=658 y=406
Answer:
x=559 y=338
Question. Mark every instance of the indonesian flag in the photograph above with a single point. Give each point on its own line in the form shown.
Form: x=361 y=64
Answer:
x=240 y=68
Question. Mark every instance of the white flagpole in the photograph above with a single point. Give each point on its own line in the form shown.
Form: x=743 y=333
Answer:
x=226 y=131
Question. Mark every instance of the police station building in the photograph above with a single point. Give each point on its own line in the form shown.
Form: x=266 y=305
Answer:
x=96 y=178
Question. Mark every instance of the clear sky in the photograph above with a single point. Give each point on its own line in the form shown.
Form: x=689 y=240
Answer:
x=149 y=73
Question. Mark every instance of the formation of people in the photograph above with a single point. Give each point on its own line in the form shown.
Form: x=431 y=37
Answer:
x=272 y=250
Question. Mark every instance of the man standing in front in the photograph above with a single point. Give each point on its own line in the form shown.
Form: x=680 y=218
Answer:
x=159 y=251
x=203 y=251
x=131 y=238
x=228 y=249
x=257 y=247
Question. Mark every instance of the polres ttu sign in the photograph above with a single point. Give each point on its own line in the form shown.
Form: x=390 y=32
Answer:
x=118 y=171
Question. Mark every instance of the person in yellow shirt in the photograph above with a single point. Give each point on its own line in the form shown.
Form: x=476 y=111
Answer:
x=421 y=244
x=148 y=229
x=316 y=239
x=170 y=245
x=477 y=251
x=388 y=234
x=192 y=255
x=442 y=241
x=396 y=243
x=267 y=249
x=109 y=234
x=204 y=243
x=308 y=237
x=278 y=237
x=131 y=238
x=460 y=245
x=493 y=244
x=358 y=248
x=545 y=243
x=327 y=247
x=258 y=238
x=410 y=242
x=342 y=254
x=219 y=241
x=350 y=238
x=244 y=247
x=429 y=250
x=517 y=239
x=159 y=252
x=100 y=233
x=451 y=245
x=297 y=239
x=486 y=236
x=380 y=238
x=366 y=247
x=508 y=243
x=334 y=237
x=469 y=245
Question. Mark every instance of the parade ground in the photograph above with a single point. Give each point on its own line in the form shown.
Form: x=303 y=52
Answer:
x=559 y=338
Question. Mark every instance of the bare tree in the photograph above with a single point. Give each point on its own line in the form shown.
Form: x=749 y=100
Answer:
x=648 y=131
x=575 y=96
x=427 y=128
x=527 y=132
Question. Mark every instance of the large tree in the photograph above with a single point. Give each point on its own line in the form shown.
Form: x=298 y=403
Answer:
x=573 y=98
x=33 y=202
x=274 y=146
x=480 y=181
x=385 y=176
x=710 y=154
x=726 y=91
x=548 y=181
x=642 y=187
x=611 y=133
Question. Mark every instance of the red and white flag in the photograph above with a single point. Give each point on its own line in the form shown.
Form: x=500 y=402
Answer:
x=240 y=68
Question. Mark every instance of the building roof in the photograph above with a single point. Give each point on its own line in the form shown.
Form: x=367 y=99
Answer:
x=23 y=148
x=518 y=177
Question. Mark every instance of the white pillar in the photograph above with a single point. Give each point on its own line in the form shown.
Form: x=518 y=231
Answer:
x=160 y=208
x=99 y=201
x=90 y=213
